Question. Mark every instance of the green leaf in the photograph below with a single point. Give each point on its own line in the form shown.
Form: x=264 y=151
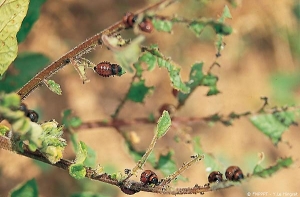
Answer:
x=3 y=129
x=28 y=189
x=274 y=125
x=90 y=160
x=162 y=25
x=26 y=66
x=220 y=28
x=163 y=124
x=12 y=13
x=81 y=153
x=77 y=171
x=196 y=77
x=138 y=91
x=197 y=27
x=226 y=14
x=266 y=172
x=54 y=87
x=174 y=75
x=149 y=59
x=211 y=80
x=128 y=55
x=30 y=18
x=166 y=63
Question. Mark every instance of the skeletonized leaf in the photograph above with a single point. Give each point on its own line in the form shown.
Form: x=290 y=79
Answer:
x=274 y=125
x=162 y=25
x=138 y=91
x=266 y=172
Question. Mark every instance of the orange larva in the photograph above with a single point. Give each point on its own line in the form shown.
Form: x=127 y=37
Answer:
x=234 y=173
x=129 y=19
x=106 y=69
x=146 y=26
x=149 y=177
x=215 y=176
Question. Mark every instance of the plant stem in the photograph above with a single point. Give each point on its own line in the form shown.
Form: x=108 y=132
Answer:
x=81 y=49
x=64 y=164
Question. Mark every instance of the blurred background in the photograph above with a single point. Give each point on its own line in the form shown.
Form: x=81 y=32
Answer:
x=261 y=58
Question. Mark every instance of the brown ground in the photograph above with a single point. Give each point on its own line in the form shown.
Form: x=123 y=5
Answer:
x=257 y=49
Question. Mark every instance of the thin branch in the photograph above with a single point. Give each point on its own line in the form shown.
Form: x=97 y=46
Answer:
x=124 y=99
x=81 y=49
x=175 y=120
x=5 y=143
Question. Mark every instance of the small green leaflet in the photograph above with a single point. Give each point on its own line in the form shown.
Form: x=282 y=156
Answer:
x=226 y=14
x=274 y=125
x=81 y=153
x=28 y=189
x=163 y=124
x=138 y=91
x=162 y=25
x=54 y=87
x=77 y=171
x=3 y=129
x=12 y=13
x=266 y=172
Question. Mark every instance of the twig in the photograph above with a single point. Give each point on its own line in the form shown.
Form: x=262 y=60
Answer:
x=124 y=99
x=81 y=49
x=5 y=143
